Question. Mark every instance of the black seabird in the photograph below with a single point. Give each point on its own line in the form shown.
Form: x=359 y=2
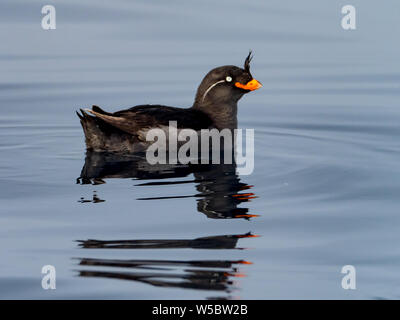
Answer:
x=215 y=106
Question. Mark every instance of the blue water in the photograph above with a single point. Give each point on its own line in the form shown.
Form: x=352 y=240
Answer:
x=326 y=179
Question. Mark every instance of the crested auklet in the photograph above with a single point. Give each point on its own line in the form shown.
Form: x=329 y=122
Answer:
x=215 y=106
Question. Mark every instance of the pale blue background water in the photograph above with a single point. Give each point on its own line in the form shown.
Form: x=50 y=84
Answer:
x=327 y=172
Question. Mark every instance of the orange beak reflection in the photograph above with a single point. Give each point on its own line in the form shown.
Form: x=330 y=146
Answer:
x=251 y=85
x=247 y=236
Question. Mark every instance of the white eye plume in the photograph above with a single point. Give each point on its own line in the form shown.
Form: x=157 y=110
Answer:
x=227 y=79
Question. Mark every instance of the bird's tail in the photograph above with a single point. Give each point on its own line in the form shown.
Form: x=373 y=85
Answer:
x=102 y=136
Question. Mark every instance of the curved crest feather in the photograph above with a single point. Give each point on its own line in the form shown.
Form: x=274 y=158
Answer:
x=247 y=61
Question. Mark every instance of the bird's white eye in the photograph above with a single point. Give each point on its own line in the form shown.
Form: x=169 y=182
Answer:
x=228 y=78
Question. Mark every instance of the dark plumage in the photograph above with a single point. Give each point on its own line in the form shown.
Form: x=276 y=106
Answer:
x=215 y=106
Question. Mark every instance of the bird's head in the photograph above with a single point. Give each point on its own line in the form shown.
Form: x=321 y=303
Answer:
x=226 y=85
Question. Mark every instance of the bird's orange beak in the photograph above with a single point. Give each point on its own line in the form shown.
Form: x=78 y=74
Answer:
x=251 y=85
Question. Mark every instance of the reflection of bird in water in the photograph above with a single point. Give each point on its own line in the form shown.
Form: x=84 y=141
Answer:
x=219 y=193
x=95 y=199
x=214 y=276
x=214 y=242
x=204 y=280
x=219 y=188
x=189 y=274
x=159 y=264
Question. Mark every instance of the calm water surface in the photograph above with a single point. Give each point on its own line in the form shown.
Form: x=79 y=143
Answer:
x=324 y=192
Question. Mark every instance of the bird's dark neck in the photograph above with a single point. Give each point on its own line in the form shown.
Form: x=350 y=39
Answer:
x=224 y=115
